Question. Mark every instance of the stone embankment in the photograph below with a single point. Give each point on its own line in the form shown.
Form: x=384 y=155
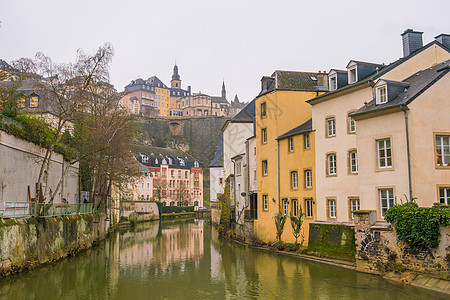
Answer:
x=25 y=244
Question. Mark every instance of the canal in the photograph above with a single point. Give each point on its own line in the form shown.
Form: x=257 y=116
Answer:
x=187 y=260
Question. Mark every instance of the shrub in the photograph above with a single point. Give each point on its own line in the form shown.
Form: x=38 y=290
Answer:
x=418 y=226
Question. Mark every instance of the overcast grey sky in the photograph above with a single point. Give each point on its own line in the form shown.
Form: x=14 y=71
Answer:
x=239 y=41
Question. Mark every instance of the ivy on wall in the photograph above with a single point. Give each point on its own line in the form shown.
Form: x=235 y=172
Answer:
x=418 y=226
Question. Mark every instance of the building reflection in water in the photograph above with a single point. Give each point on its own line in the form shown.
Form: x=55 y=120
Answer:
x=150 y=244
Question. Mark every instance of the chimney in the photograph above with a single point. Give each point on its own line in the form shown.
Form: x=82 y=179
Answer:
x=412 y=41
x=322 y=79
x=444 y=39
x=189 y=90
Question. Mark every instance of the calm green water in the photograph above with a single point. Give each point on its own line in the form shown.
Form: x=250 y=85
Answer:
x=186 y=260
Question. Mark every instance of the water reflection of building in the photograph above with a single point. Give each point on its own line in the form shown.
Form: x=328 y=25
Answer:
x=177 y=244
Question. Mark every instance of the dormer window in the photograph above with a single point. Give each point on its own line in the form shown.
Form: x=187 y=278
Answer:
x=381 y=94
x=333 y=83
x=352 y=75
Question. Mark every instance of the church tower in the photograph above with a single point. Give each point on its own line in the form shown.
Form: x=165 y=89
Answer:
x=175 y=83
x=224 y=92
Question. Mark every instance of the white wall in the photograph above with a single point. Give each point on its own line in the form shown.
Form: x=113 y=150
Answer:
x=234 y=137
x=19 y=168
x=215 y=173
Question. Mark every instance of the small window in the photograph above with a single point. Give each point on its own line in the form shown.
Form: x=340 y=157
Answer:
x=331 y=127
x=291 y=144
x=295 y=207
x=351 y=124
x=285 y=207
x=308 y=179
x=294 y=180
x=266 y=202
x=444 y=195
x=443 y=150
x=353 y=157
x=309 y=208
x=381 y=95
x=384 y=153
x=352 y=76
x=171 y=174
x=331 y=160
x=21 y=102
x=34 y=101
x=386 y=200
x=354 y=206
x=263 y=110
x=333 y=84
x=306 y=141
x=264 y=167
x=238 y=168
x=264 y=135
x=332 y=208
x=221 y=181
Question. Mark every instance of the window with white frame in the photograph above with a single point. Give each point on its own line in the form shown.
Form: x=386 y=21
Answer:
x=444 y=195
x=263 y=109
x=308 y=179
x=266 y=202
x=294 y=180
x=331 y=127
x=353 y=157
x=264 y=135
x=306 y=141
x=295 y=207
x=384 y=153
x=309 y=208
x=443 y=150
x=354 y=206
x=352 y=75
x=291 y=144
x=351 y=124
x=264 y=167
x=386 y=200
x=381 y=94
x=285 y=207
x=238 y=168
x=333 y=83
x=331 y=160
x=332 y=208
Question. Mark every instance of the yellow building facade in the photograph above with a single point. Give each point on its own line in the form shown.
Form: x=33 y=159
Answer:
x=280 y=107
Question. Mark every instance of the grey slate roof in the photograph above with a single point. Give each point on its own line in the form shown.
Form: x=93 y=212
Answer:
x=418 y=83
x=295 y=80
x=217 y=160
x=378 y=74
x=247 y=114
x=302 y=128
x=4 y=65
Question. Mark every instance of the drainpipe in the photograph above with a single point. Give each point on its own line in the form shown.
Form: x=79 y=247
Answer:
x=409 y=154
x=279 y=201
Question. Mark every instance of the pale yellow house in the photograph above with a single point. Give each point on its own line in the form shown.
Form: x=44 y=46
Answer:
x=339 y=160
x=280 y=107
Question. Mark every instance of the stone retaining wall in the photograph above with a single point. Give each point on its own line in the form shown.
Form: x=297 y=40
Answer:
x=140 y=211
x=27 y=243
x=378 y=251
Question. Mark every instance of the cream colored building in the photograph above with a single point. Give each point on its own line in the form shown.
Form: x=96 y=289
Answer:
x=406 y=119
x=341 y=183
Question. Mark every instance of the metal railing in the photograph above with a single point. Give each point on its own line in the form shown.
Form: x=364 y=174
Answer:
x=46 y=210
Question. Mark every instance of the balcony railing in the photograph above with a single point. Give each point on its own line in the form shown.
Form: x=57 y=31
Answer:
x=45 y=210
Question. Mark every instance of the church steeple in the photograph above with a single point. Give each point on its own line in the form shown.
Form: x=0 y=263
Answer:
x=224 y=92
x=176 y=81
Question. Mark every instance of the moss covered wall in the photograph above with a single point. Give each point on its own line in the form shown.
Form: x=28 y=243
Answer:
x=27 y=243
x=332 y=240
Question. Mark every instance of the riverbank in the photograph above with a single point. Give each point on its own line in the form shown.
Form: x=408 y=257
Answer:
x=28 y=243
x=186 y=215
x=420 y=280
